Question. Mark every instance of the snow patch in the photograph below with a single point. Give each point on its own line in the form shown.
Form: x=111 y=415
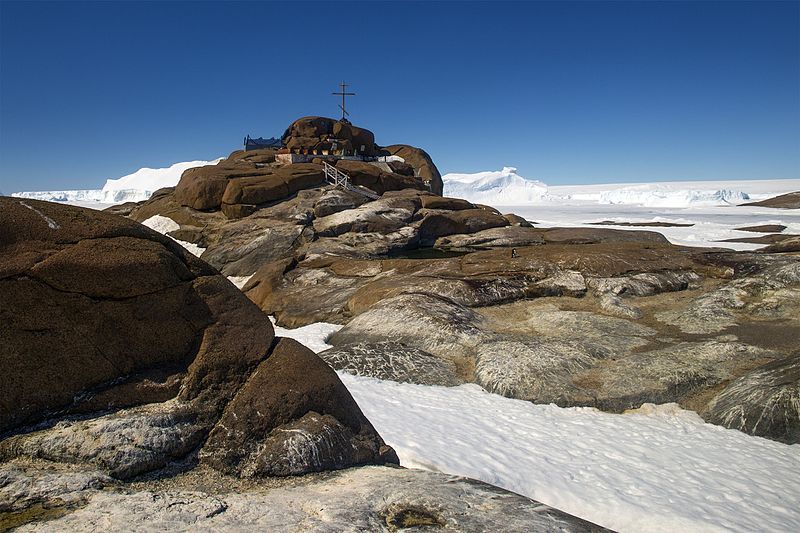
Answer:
x=50 y=222
x=239 y=281
x=164 y=225
x=312 y=336
x=656 y=468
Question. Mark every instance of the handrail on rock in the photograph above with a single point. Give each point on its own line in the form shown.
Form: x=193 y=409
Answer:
x=336 y=177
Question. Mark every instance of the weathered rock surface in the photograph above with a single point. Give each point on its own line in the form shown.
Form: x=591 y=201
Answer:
x=362 y=499
x=421 y=162
x=784 y=246
x=785 y=201
x=381 y=216
x=539 y=371
x=431 y=323
x=317 y=133
x=393 y=361
x=642 y=224
x=123 y=352
x=504 y=237
x=438 y=223
x=770 y=238
x=764 y=402
x=764 y=228
x=379 y=180
x=275 y=427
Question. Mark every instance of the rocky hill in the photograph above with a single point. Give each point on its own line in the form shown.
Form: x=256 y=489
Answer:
x=450 y=292
x=141 y=389
x=141 y=383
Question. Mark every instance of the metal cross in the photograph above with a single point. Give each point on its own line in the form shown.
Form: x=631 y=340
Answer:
x=343 y=93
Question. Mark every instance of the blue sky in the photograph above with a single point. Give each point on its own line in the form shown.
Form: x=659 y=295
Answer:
x=566 y=92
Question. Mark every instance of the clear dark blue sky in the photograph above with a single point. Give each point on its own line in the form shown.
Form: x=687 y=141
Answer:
x=566 y=92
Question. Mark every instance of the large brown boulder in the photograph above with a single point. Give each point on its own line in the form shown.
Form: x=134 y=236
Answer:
x=320 y=133
x=272 y=421
x=374 y=178
x=275 y=184
x=75 y=285
x=103 y=317
x=419 y=159
x=441 y=202
x=437 y=224
x=202 y=188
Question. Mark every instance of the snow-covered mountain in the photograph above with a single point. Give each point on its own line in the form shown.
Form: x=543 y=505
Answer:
x=505 y=187
x=133 y=187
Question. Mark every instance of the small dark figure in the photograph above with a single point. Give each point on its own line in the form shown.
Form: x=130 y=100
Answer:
x=513 y=253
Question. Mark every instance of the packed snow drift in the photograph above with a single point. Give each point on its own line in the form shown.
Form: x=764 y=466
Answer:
x=659 y=468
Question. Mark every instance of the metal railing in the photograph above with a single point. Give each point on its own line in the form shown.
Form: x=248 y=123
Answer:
x=336 y=177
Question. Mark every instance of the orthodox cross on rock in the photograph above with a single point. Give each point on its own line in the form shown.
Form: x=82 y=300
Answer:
x=343 y=93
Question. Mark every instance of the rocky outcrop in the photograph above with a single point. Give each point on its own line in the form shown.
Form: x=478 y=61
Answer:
x=428 y=287
x=277 y=433
x=763 y=228
x=378 y=179
x=420 y=161
x=383 y=216
x=321 y=133
x=764 y=402
x=502 y=237
x=362 y=499
x=124 y=352
x=784 y=201
x=393 y=361
x=439 y=223
x=791 y=244
x=243 y=195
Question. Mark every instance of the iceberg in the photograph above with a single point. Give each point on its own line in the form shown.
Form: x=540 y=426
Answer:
x=134 y=187
x=504 y=187
x=653 y=196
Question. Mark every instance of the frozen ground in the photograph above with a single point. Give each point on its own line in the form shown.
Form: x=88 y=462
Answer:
x=659 y=468
x=712 y=206
x=711 y=224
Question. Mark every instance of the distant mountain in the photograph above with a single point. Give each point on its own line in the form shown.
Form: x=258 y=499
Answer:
x=504 y=187
x=133 y=187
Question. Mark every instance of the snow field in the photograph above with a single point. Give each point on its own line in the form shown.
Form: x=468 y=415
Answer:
x=659 y=468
